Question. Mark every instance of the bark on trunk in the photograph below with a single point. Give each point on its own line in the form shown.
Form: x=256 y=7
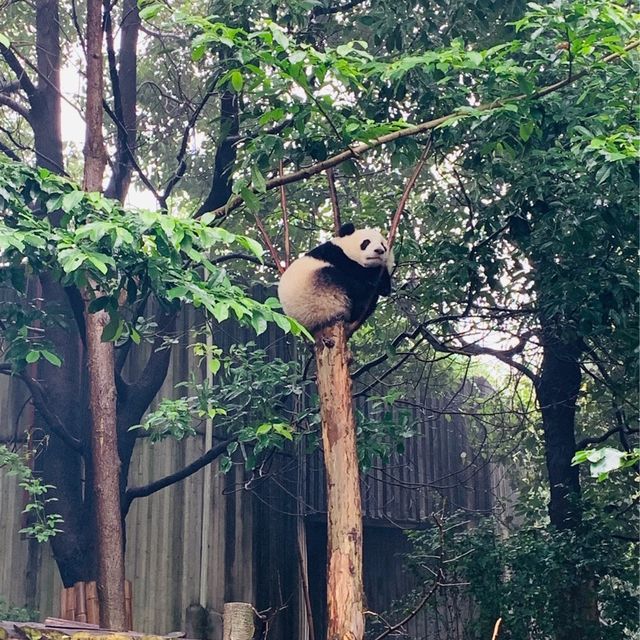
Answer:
x=46 y=118
x=60 y=465
x=125 y=82
x=106 y=476
x=557 y=392
x=345 y=597
x=101 y=364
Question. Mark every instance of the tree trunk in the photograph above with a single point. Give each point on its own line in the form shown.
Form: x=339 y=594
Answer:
x=60 y=465
x=106 y=474
x=557 y=391
x=101 y=364
x=345 y=597
x=46 y=114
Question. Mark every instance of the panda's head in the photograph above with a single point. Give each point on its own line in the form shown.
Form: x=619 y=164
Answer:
x=367 y=247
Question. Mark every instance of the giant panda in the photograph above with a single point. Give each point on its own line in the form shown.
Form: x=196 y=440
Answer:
x=338 y=280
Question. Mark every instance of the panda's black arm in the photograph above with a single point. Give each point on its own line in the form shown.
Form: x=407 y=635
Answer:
x=384 y=283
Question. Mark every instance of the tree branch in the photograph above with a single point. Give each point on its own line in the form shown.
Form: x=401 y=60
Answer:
x=180 y=157
x=273 y=252
x=9 y=152
x=326 y=11
x=335 y=205
x=146 y=490
x=225 y=157
x=23 y=78
x=42 y=405
x=14 y=105
x=505 y=356
x=407 y=191
x=141 y=392
x=604 y=437
x=356 y=150
x=423 y=601
x=10 y=87
x=285 y=222
x=147 y=183
x=123 y=82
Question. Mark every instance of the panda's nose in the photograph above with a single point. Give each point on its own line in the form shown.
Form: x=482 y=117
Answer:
x=379 y=251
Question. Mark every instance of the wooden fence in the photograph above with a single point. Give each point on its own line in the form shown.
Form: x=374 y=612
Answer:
x=236 y=540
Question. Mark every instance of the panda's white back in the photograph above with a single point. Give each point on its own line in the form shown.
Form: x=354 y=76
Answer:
x=306 y=299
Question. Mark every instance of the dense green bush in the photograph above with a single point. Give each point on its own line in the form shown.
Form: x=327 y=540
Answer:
x=17 y=614
x=522 y=577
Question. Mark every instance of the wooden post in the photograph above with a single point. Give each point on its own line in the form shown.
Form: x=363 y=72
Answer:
x=345 y=598
x=93 y=608
x=238 y=621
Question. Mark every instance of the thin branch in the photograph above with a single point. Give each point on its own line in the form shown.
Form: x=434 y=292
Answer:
x=180 y=157
x=146 y=490
x=335 y=205
x=241 y=256
x=423 y=601
x=270 y=246
x=380 y=359
x=474 y=350
x=407 y=191
x=604 y=437
x=423 y=127
x=285 y=222
x=147 y=183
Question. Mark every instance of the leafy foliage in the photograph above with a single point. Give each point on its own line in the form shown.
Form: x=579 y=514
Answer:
x=252 y=402
x=521 y=577
x=17 y=614
x=42 y=525
x=115 y=255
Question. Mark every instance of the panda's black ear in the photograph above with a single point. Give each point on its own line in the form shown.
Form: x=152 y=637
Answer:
x=346 y=230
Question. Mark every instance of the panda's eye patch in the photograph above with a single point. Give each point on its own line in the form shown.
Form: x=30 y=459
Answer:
x=365 y=244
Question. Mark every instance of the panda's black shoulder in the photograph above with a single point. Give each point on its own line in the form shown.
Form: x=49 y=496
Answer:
x=335 y=256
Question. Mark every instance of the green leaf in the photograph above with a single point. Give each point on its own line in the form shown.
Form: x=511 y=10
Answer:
x=263 y=429
x=51 y=357
x=609 y=459
x=4 y=41
x=258 y=323
x=526 y=129
x=71 y=200
x=32 y=356
x=257 y=180
x=236 y=80
x=151 y=11
x=113 y=330
x=252 y=245
x=197 y=53
x=220 y=311
x=250 y=199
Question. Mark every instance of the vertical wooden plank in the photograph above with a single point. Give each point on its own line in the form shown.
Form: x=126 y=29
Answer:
x=81 y=602
x=93 y=607
x=128 y=609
